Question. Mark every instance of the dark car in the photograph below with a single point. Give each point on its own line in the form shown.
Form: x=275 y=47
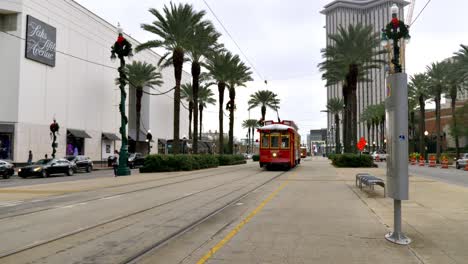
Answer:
x=136 y=160
x=80 y=163
x=6 y=169
x=46 y=167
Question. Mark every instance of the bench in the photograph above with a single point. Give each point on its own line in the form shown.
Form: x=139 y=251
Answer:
x=370 y=181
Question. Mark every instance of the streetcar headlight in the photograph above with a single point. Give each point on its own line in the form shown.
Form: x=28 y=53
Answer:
x=19 y=170
x=274 y=155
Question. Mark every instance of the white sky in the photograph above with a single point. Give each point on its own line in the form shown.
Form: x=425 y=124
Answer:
x=283 y=40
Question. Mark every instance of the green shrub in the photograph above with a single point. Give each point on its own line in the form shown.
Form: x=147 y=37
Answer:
x=331 y=156
x=256 y=157
x=352 y=161
x=179 y=162
x=225 y=160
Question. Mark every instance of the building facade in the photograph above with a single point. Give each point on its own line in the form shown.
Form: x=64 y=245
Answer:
x=317 y=140
x=367 y=12
x=55 y=64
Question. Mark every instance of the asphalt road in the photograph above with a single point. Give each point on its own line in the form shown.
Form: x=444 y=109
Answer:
x=17 y=181
x=119 y=224
x=451 y=175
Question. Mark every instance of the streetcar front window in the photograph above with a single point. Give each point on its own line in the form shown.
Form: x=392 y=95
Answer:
x=285 y=141
x=274 y=141
x=265 y=141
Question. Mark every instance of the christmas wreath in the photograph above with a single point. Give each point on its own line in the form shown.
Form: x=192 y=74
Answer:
x=396 y=29
x=122 y=47
x=54 y=127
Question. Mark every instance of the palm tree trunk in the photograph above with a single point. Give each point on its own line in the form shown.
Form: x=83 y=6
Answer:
x=190 y=119
x=178 y=62
x=232 y=97
x=438 y=146
x=249 y=150
x=422 y=125
x=221 y=86
x=139 y=95
x=346 y=119
x=374 y=134
x=454 y=120
x=353 y=75
x=201 y=120
x=369 y=124
x=337 y=134
x=263 y=109
x=195 y=87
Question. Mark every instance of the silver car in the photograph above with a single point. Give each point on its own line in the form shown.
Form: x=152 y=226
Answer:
x=461 y=162
x=6 y=169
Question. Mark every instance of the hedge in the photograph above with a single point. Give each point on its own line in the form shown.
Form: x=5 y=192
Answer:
x=352 y=161
x=225 y=160
x=184 y=162
x=256 y=157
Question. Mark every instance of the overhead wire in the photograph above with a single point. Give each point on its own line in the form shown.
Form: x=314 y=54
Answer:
x=427 y=3
x=234 y=41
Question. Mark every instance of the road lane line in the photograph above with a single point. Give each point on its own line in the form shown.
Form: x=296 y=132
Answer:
x=234 y=231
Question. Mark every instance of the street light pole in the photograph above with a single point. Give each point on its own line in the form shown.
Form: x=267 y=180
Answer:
x=122 y=48
x=397 y=129
x=149 y=137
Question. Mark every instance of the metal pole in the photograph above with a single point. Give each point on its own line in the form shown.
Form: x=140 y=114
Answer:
x=397 y=235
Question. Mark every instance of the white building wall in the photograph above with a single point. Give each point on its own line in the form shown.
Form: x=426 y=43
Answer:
x=79 y=91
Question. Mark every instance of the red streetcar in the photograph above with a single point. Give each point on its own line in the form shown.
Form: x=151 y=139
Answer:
x=279 y=144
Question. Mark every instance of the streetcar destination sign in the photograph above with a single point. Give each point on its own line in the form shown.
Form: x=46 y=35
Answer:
x=40 y=41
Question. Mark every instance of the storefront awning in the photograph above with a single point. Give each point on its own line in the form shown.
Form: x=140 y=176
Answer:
x=78 y=133
x=110 y=136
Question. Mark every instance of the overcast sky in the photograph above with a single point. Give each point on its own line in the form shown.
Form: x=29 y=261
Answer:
x=283 y=40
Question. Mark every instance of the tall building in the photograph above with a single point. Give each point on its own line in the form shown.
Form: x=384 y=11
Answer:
x=55 y=64
x=368 y=12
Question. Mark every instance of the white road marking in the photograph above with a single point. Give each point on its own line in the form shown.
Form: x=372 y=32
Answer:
x=110 y=197
x=72 y=205
x=239 y=204
x=10 y=203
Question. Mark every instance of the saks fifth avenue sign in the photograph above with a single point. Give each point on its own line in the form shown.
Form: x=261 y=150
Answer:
x=40 y=41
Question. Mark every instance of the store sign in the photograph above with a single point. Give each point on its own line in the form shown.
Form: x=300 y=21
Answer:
x=40 y=41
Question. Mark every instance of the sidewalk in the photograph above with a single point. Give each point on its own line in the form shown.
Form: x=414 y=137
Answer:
x=320 y=217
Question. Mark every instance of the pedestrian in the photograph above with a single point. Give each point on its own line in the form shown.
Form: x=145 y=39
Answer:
x=30 y=158
x=115 y=164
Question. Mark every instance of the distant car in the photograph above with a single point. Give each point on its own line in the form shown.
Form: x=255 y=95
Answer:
x=461 y=162
x=80 y=163
x=136 y=160
x=6 y=169
x=46 y=167
x=381 y=154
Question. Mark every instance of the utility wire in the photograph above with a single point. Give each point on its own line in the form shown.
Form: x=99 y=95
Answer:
x=420 y=12
x=237 y=45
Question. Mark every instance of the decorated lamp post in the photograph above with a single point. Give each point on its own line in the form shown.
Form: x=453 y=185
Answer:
x=393 y=33
x=121 y=49
x=54 y=129
x=396 y=107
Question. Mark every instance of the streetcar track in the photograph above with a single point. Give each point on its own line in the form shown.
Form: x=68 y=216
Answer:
x=83 y=229
x=118 y=194
x=138 y=256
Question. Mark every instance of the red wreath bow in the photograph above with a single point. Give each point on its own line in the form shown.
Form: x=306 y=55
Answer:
x=395 y=22
x=120 y=39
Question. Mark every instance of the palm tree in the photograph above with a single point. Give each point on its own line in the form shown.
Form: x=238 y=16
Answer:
x=418 y=91
x=462 y=57
x=205 y=97
x=220 y=67
x=141 y=75
x=186 y=92
x=455 y=84
x=251 y=125
x=240 y=75
x=354 y=51
x=379 y=111
x=175 y=26
x=204 y=43
x=366 y=118
x=335 y=107
x=437 y=73
x=264 y=98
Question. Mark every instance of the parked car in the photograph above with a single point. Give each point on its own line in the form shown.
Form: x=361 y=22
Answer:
x=381 y=154
x=46 y=167
x=135 y=160
x=81 y=163
x=6 y=169
x=461 y=162
x=247 y=155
